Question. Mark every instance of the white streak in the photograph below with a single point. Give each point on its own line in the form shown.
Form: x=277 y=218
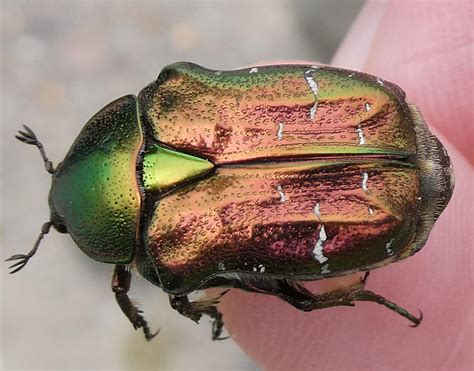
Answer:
x=317 y=210
x=282 y=194
x=360 y=134
x=254 y=70
x=365 y=178
x=371 y=212
x=318 y=248
x=325 y=269
x=367 y=107
x=313 y=85
x=351 y=75
x=261 y=268
x=380 y=81
x=311 y=82
x=388 y=247
x=217 y=73
x=280 y=130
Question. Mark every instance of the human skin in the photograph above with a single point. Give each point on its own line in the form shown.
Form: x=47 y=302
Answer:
x=426 y=48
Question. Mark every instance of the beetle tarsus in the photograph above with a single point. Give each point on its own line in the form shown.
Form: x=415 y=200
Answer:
x=120 y=286
x=418 y=319
x=29 y=137
x=196 y=309
x=303 y=299
x=366 y=295
x=24 y=258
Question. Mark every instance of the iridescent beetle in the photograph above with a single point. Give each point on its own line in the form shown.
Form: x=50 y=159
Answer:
x=255 y=179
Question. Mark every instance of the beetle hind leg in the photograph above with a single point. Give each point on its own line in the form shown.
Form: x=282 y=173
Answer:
x=120 y=286
x=301 y=298
x=366 y=295
x=292 y=291
x=196 y=309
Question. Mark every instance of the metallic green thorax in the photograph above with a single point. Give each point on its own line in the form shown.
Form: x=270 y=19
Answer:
x=95 y=192
x=163 y=168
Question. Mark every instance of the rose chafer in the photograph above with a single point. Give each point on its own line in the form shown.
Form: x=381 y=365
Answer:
x=256 y=179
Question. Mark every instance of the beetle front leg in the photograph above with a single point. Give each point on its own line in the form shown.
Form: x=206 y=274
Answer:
x=120 y=286
x=195 y=309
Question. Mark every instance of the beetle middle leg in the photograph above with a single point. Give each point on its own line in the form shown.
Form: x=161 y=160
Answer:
x=120 y=286
x=195 y=310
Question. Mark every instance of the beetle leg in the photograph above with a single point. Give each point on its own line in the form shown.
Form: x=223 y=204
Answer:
x=300 y=297
x=24 y=258
x=347 y=296
x=195 y=309
x=120 y=286
x=366 y=295
x=29 y=137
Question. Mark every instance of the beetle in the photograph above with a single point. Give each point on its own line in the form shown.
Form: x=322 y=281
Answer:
x=256 y=179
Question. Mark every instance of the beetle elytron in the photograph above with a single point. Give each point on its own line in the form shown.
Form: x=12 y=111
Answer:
x=255 y=179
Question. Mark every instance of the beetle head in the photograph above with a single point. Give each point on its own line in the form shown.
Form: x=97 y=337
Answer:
x=95 y=194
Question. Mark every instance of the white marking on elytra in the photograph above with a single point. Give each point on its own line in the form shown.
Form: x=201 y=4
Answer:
x=360 y=134
x=367 y=106
x=217 y=73
x=280 y=130
x=380 y=81
x=388 y=247
x=282 y=194
x=253 y=70
x=318 y=248
x=371 y=211
x=261 y=268
x=254 y=269
x=325 y=269
x=311 y=81
x=365 y=178
x=351 y=75
x=317 y=210
x=312 y=111
x=221 y=266
x=313 y=85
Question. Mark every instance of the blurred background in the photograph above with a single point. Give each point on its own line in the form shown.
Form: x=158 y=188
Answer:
x=61 y=61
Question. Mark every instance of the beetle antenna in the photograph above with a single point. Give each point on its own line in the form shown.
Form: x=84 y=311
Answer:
x=29 y=137
x=23 y=259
